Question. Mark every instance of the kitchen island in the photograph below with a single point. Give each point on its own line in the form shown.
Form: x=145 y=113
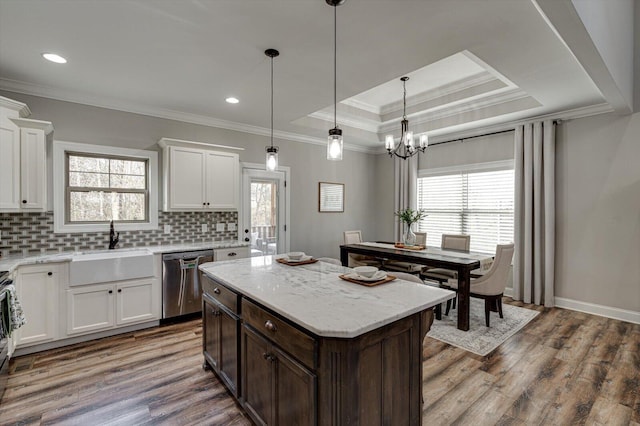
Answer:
x=298 y=345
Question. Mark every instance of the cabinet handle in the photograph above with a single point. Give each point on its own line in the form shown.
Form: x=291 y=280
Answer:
x=216 y=290
x=233 y=253
x=119 y=290
x=204 y=204
x=208 y=204
x=24 y=201
x=270 y=326
x=110 y=291
x=268 y=357
x=247 y=239
x=49 y=273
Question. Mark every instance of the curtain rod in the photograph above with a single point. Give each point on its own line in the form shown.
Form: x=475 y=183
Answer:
x=473 y=137
x=556 y=122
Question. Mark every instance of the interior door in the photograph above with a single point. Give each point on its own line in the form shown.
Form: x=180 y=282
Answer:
x=264 y=210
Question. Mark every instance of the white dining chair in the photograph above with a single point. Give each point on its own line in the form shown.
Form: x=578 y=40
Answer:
x=491 y=285
x=408 y=267
x=355 y=237
x=449 y=242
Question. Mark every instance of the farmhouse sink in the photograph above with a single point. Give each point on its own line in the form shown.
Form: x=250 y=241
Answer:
x=107 y=266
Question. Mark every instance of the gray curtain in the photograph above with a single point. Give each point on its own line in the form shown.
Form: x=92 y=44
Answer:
x=533 y=260
x=406 y=184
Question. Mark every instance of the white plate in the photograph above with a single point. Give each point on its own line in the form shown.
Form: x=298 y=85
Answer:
x=302 y=259
x=380 y=275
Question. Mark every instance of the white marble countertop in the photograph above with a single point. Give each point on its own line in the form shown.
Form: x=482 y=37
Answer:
x=10 y=263
x=314 y=297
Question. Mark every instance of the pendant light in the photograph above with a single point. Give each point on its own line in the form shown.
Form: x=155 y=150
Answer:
x=272 y=151
x=334 y=142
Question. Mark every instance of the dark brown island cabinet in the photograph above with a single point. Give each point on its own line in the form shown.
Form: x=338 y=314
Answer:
x=282 y=374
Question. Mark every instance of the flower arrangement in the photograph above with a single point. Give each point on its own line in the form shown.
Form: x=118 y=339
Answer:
x=410 y=216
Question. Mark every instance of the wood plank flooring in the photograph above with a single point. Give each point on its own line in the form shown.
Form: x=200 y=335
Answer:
x=564 y=367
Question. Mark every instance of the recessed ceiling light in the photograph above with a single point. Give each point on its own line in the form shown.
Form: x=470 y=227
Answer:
x=232 y=100
x=54 y=58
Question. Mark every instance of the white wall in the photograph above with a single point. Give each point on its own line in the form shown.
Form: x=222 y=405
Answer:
x=317 y=233
x=598 y=211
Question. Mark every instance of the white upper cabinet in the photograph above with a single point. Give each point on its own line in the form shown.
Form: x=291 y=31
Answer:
x=23 y=161
x=196 y=178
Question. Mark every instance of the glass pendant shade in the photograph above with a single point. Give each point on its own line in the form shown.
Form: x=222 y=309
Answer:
x=424 y=141
x=334 y=145
x=389 y=142
x=272 y=158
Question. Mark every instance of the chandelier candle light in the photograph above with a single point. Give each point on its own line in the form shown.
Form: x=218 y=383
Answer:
x=272 y=151
x=334 y=142
x=406 y=146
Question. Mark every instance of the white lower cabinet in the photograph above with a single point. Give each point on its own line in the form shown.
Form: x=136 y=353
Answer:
x=99 y=307
x=37 y=290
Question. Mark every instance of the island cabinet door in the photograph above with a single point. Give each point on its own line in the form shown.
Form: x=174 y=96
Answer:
x=295 y=394
x=276 y=389
x=257 y=377
x=211 y=325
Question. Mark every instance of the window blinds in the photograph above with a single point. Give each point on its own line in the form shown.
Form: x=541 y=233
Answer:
x=479 y=204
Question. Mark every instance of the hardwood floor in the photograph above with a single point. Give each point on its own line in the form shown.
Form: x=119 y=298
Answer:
x=564 y=367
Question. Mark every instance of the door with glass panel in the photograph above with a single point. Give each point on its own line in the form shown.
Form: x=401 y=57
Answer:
x=264 y=211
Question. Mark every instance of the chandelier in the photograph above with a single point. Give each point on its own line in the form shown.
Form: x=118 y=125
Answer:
x=406 y=145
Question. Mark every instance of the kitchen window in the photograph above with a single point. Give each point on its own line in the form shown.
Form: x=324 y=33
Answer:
x=477 y=200
x=94 y=184
x=105 y=188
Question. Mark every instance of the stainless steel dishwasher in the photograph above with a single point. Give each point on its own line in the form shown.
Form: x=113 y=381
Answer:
x=181 y=291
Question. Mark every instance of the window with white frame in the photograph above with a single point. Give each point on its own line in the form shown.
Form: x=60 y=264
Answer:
x=476 y=200
x=94 y=184
x=101 y=188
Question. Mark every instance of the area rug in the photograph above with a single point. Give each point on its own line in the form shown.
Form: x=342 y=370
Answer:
x=481 y=340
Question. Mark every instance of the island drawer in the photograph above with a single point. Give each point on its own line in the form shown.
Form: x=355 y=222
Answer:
x=220 y=293
x=297 y=343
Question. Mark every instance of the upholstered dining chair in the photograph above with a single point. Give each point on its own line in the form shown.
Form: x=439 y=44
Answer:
x=410 y=268
x=449 y=242
x=491 y=285
x=355 y=237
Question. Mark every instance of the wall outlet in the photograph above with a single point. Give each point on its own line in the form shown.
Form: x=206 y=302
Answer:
x=231 y=226
x=167 y=229
x=220 y=227
x=205 y=227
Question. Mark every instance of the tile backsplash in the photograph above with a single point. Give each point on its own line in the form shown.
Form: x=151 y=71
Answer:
x=32 y=233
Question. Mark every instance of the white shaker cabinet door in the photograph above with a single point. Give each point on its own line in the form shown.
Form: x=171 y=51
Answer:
x=186 y=179
x=222 y=181
x=90 y=308
x=137 y=301
x=37 y=289
x=33 y=182
x=9 y=164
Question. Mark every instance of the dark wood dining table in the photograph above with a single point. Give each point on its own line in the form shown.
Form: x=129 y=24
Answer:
x=462 y=262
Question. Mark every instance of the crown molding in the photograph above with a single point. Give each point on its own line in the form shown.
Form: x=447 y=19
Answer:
x=28 y=123
x=63 y=95
x=361 y=105
x=21 y=108
x=346 y=120
x=442 y=91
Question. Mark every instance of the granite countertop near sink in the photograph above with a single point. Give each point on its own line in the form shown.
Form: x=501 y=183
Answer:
x=314 y=297
x=10 y=263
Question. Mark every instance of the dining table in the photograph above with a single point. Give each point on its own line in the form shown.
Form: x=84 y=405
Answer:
x=463 y=262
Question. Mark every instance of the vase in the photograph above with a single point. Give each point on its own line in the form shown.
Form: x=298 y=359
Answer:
x=409 y=238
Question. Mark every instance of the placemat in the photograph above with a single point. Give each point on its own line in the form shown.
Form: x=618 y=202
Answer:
x=286 y=262
x=402 y=246
x=386 y=279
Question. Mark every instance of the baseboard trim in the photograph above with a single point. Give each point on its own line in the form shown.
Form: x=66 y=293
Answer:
x=601 y=310
x=591 y=308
